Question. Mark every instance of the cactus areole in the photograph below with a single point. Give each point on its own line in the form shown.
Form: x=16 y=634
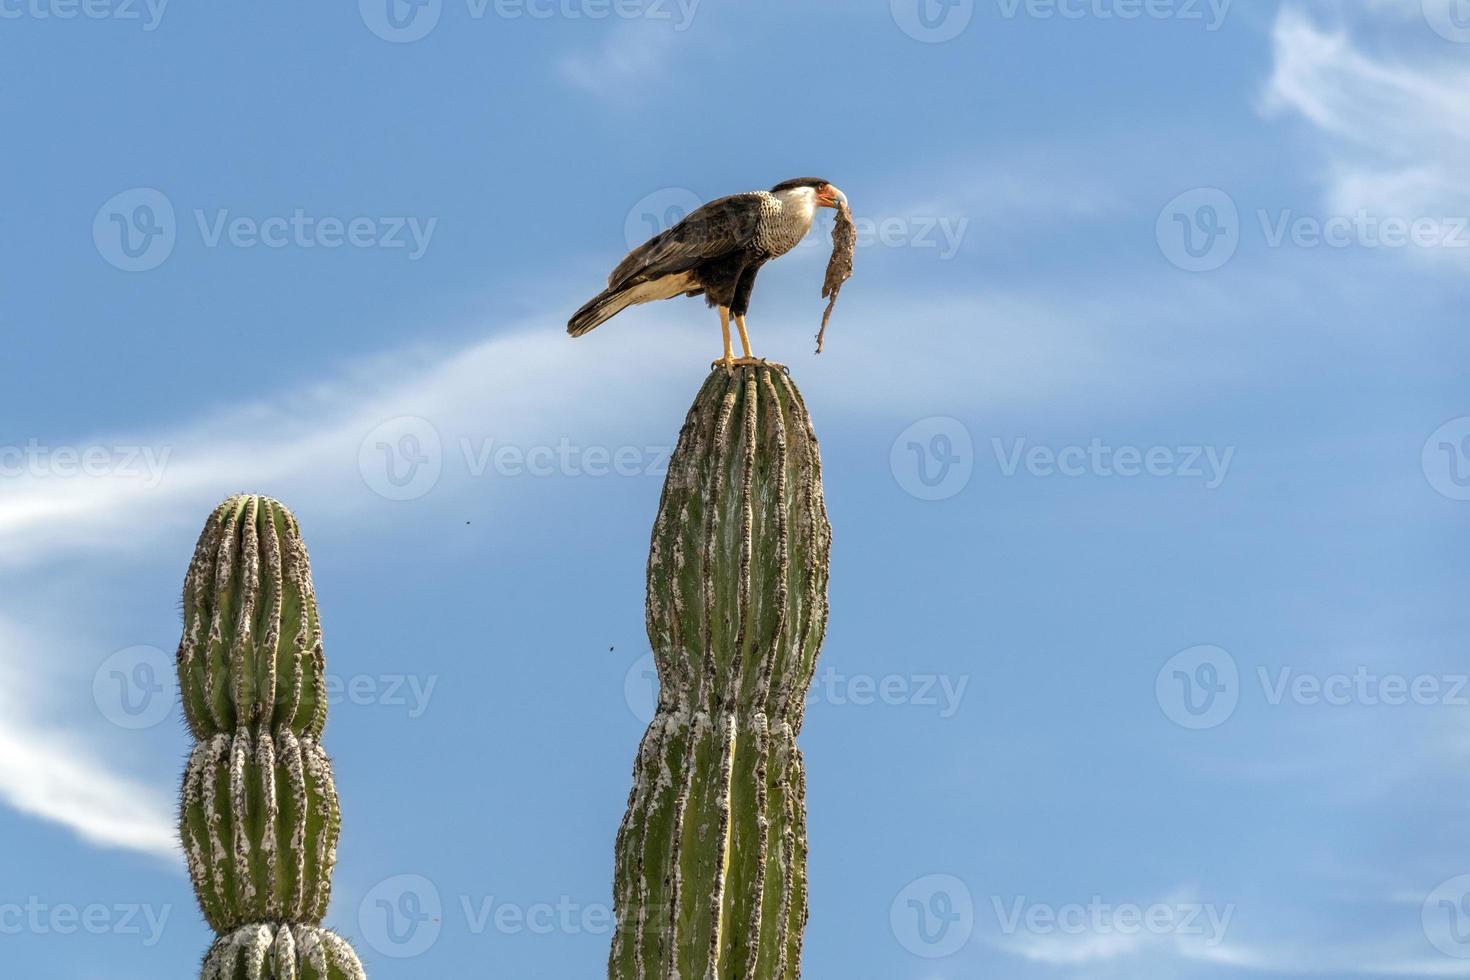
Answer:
x=711 y=856
x=258 y=814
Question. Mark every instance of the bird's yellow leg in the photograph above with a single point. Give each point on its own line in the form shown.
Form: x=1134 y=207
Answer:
x=744 y=337
x=728 y=360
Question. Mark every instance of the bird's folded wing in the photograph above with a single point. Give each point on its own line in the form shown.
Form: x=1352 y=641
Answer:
x=711 y=230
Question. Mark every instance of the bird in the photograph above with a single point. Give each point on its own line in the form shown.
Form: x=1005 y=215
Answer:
x=716 y=252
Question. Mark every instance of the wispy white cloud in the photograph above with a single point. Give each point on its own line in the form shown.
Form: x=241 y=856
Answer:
x=622 y=68
x=47 y=773
x=533 y=386
x=1396 y=137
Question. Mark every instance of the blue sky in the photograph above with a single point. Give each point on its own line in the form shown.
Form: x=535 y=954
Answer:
x=1144 y=419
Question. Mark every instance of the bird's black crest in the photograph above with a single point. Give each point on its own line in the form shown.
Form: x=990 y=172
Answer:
x=796 y=182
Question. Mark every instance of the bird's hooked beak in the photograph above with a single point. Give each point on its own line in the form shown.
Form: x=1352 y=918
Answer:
x=831 y=197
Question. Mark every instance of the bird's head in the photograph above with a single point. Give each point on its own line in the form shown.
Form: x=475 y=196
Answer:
x=824 y=192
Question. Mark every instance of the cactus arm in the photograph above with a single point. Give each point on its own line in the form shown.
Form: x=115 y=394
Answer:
x=711 y=855
x=259 y=814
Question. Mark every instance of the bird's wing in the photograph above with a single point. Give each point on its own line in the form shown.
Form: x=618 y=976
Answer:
x=709 y=230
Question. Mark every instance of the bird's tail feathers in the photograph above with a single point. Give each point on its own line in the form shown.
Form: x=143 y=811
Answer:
x=603 y=306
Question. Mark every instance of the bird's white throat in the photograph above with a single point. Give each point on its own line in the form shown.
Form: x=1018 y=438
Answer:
x=800 y=203
x=798 y=208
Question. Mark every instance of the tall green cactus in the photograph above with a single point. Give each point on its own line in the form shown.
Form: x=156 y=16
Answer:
x=259 y=818
x=711 y=856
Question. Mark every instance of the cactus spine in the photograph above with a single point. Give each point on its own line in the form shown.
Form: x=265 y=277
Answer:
x=711 y=856
x=258 y=816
